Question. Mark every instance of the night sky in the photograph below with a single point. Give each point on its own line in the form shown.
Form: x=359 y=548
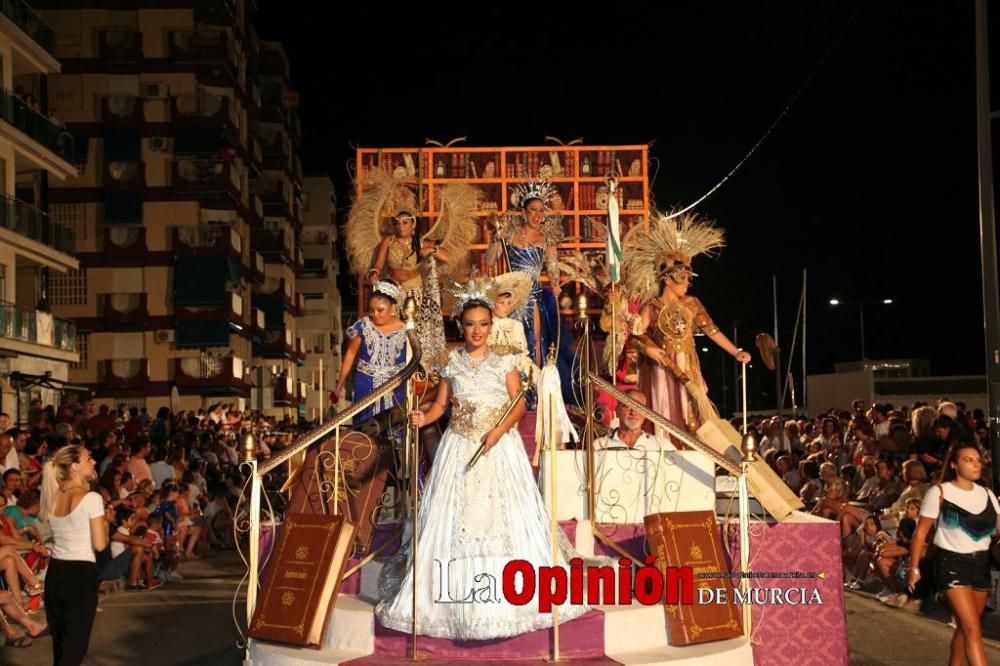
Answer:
x=869 y=182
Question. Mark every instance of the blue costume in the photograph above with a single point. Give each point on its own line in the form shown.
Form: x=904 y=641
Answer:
x=380 y=357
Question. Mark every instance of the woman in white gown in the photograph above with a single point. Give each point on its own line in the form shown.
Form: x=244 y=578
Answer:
x=473 y=522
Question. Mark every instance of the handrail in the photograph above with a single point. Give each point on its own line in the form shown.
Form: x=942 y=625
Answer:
x=695 y=443
x=307 y=439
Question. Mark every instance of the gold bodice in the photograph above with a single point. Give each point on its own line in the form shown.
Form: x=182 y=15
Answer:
x=676 y=322
x=400 y=256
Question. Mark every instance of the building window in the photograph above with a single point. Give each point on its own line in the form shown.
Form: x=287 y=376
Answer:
x=314 y=296
x=69 y=288
x=319 y=340
x=3 y=282
x=71 y=216
x=83 y=348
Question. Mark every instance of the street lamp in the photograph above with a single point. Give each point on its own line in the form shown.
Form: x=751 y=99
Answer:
x=861 y=315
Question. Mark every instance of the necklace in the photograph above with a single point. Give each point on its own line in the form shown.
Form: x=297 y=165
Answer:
x=474 y=361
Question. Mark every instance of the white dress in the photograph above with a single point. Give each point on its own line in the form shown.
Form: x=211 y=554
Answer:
x=473 y=522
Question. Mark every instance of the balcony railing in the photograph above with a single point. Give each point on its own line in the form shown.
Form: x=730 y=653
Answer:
x=272 y=193
x=40 y=328
x=124 y=374
x=259 y=320
x=35 y=125
x=125 y=175
x=125 y=310
x=121 y=110
x=125 y=242
x=201 y=372
x=207 y=176
x=271 y=242
x=205 y=108
x=216 y=12
x=275 y=344
x=208 y=240
x=120 y=45
x=23 y=218
x=257 y=267
x=25 y=18
x=284 y=391
x=202 y=46
x=233 y=309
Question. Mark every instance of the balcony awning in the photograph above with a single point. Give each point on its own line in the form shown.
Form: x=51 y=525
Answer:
x=122 y=207
x=202 y=334
x=201 y=280
x=122 y=144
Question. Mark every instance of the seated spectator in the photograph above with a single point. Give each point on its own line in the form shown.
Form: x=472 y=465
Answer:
x=788 y=473
x=859 y=551
x=809 y=493
x=12 y=609
x=630 y=433
x=915 y=480
x=128 y=554
x=852 y=514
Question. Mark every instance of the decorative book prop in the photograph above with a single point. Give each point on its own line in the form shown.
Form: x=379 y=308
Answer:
x=303 y=579
x=691 y=539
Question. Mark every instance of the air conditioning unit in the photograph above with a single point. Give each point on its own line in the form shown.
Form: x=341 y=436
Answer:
x=165 y=335
x=160 y=143
x=155 y=90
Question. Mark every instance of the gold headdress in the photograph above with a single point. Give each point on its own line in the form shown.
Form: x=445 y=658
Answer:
x=665 y=247
x=384 y=198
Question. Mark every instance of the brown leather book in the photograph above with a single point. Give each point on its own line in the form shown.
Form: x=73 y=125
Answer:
x=691 y=539
x=303 y=578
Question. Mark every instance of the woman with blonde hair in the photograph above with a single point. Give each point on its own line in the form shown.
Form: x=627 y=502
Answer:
x=76 y=515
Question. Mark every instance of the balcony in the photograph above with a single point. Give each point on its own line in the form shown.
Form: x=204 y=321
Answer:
x=206 y=48
x=124 y=175
x=37 y=127
x=301 y=391
x=284 y=392
x=206 y=178
x=258 y=321
x=208 y=240
x=125 y=245
x=122 y=110
x=256 y=267
x=120 y=45
x=204 y=109
x=36 y=328
x=216 y=12
x=275 y=197
x=300 y=351
x=275 y=291
x=256 y=154
x=24 y=219
x=233 y=309
x=300 y=262
x=25 y=18
x=272 y=243
x=299 y=306
x=275 y=344
x=256 y=211
x=210 y=375
x=124 y=375
x=124 y=311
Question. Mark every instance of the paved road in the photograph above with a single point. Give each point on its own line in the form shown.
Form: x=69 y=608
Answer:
x=191 y=623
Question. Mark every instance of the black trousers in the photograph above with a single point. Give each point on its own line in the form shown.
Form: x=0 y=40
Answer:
x=70 y=606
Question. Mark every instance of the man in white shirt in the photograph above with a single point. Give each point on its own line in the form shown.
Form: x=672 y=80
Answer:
x=629 y=434
x=8 y=454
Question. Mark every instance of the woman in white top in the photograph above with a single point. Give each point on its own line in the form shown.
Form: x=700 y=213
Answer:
x=76 y=516
x=966 y=515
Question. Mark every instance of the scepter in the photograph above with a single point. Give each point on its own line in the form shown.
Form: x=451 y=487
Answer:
x=503 y=417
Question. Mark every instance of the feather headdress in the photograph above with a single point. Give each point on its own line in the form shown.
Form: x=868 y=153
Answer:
x=666 y=245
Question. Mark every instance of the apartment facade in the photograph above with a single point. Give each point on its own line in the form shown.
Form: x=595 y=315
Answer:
x=187 y=208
